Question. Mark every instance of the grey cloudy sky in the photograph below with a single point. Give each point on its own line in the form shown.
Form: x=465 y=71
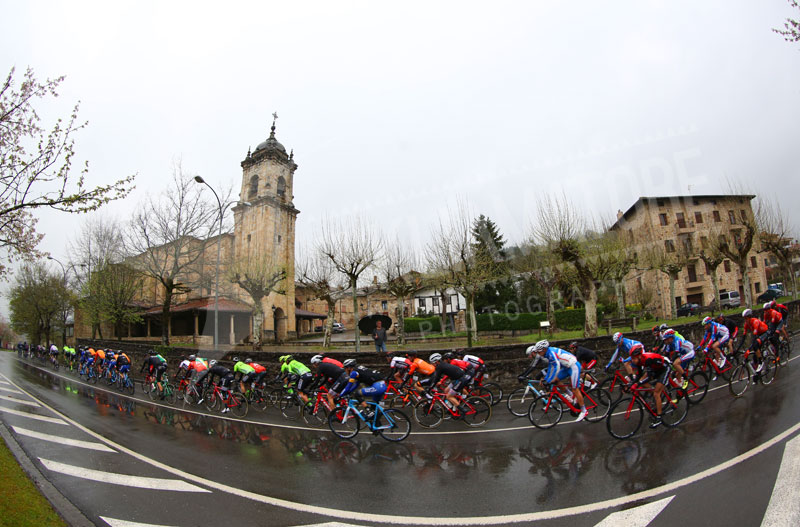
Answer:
x=397 y=110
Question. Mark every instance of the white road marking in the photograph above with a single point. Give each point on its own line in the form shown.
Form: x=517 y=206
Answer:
x=33 y=416
x=121 y=479
x=330 y=524
x=10 y=390
x=91 y=445
x=19 y=401
x=4 y=382
x=125 y=523
x=640 y=516
x=784 y=507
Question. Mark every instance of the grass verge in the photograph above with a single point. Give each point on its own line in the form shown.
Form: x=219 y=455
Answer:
x=21 y=503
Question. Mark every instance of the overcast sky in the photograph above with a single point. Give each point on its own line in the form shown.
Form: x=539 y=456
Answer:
x=397 y=111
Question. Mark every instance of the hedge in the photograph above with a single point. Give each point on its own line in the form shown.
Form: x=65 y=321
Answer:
x=423 y=324
x=570 y=319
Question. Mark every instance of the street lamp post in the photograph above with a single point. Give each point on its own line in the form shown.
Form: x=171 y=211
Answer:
x=64 y=329
x=216 y=277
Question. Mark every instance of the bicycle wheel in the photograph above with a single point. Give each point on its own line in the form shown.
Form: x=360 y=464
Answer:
x=397 y=402
x=598 y=403
x=770 y=368
x=496 y=391
x=785 y=350
x=625 y=417
x=290 y=407
x=344 y=427
x=92 y=378
x=56 y=365
x=400 y=425
x=740 y=379
x=275 y=396
x=479 y=410
x=428 y=414
x=616 y=393
x=210 y=399
x=129 y=386
x=675 y=408
x=316 y=418
x=145 y=385
x=261 y=401
x=153 y=393
x=545 y=413
x=698 y=387
x=520 y=400
x=169 y=394
x=238 y=405
x=483 y=393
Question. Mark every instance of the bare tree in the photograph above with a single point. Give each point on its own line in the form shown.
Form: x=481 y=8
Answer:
x=671 y=263
x=589 y=250
x=352 y=247
x=400 y=269
x=776 y=234
x=168 y=235
x=259 y=275
x=316 y=272
x=541 y=264
x=453 y=255
x=114 y=288
x=35 y=166
x=712 y=257
x=737 y=247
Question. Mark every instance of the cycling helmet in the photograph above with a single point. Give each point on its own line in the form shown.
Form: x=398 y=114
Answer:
x=110 y=353
x=747 y=313
x=617 y=337
x=707 y=321
x=573 y=344
x=656 y=329
x=435 y=357
x=192 y=357
x=153 y=353
x=212 y=363
x=766 y=305
x=662 y=327
x=772 y=303
x=248 y=360
x=349 y=363
x=637 y=350
x=411 y=353
x=236 y=359
x=669 y=333
x=530 y=351
x=316 y=359
x=541 y=346
x=285 y=358
x=448 y=356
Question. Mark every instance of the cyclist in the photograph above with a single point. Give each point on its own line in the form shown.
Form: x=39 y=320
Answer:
x=244 y=371
x=775 y=319
x=715 y=336
x=683 y=351
x=53 y=353
x=562 y=365
x=111 y=361
x=531 y=351
x=225 y=378
x=655 y=367
x=784 y=311
x=123 y=364
x=91 y=356
x=327 y=372
x=760 y=333
x=398 y=368
x=733 y=330
x=445 y=369
x=261 y=372
x=586 y=357
x=193 y=367
x=418 y=365
x=331 y=360
x=480 y=366
x=296 y=370
x=100 y=361
x=470 y=370
x=375 y=385
x=156 y=365
x=625 y=345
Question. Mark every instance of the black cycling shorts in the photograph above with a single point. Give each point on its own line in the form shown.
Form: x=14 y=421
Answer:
x=304 y=382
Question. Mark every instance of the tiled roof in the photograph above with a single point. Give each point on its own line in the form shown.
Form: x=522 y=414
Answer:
x=206 y=304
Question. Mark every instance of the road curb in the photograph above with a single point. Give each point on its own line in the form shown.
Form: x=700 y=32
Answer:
x=63 y=507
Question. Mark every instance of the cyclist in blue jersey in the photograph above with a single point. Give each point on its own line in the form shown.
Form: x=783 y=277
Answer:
x=562 y=365
x=715 y=337
x=623 y=345
x=684 y=351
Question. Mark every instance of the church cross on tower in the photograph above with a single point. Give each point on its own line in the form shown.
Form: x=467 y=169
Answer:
x=274 y=118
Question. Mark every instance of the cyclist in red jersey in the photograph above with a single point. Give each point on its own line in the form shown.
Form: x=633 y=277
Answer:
x=653 y=366
x=775 y=316
x=760 y=333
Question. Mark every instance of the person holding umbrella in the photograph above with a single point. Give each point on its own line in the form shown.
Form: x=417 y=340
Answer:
x=379 y=336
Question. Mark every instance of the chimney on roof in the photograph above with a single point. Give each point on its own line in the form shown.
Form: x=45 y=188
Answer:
x=375 y=279
x=619 y=214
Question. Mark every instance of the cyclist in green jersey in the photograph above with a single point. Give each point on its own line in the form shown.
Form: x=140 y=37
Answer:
x=244 y=371
x=298 y=370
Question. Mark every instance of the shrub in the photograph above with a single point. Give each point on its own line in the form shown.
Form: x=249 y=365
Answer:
x=423 y=324
x=164 y=350
x=509 y=321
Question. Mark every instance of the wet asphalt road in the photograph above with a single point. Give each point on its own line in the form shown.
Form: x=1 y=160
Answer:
x=507 y=468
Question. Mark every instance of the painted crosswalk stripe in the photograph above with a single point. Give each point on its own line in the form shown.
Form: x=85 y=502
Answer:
x=4 y=382
x=784 y=507
x=637 y=516
x=90 y=445
x=121 y=479
x=33 y=416
x=10 y=390
x=113 y=522
x=19 y=401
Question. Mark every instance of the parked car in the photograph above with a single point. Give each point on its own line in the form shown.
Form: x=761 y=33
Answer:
x=766 y=296
x=338 y=327
x=688 y=309
x=779 y=288
x=729 y=299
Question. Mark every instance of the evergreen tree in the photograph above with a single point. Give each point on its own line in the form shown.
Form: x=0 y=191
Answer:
x=489 y=245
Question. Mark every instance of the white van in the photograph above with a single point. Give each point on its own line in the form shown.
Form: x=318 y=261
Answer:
x=729 y=299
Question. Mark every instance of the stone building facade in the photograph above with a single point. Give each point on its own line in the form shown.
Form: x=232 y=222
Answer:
x=692 y=222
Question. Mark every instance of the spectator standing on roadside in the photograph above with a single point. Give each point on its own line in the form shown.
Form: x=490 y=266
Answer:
x=379 y=336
